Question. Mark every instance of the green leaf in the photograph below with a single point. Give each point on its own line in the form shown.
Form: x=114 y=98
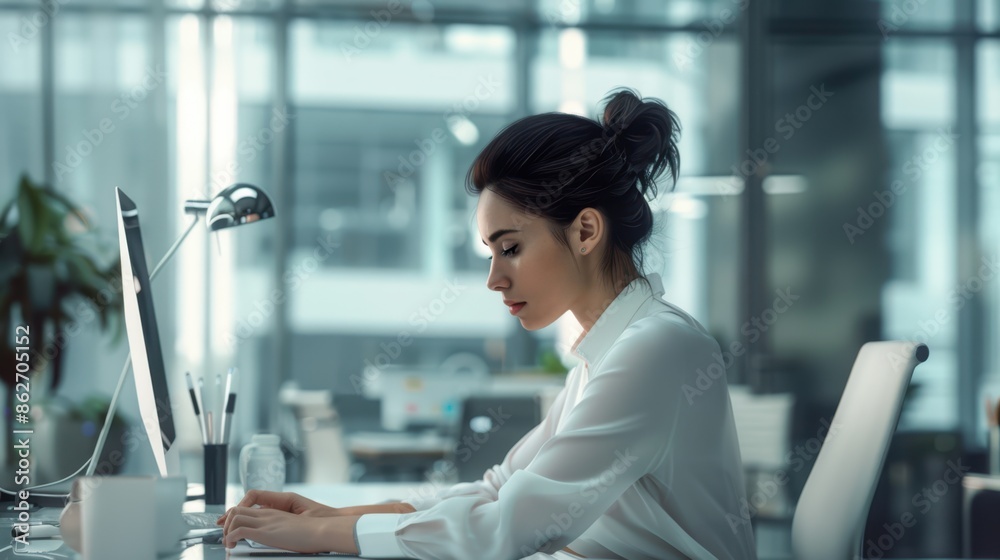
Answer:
x=69 y=205
x=4 y=214
x=85 y=272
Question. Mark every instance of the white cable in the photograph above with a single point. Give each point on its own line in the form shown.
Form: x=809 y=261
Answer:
x=64 y=479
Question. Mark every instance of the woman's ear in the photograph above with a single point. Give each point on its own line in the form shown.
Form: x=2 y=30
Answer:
x=587 y=230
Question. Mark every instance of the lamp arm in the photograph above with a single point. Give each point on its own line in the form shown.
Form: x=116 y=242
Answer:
x=173 y=249
x=128 y=361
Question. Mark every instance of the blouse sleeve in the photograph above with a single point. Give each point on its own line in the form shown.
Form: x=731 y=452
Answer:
x=617 y=432
x=517 y=458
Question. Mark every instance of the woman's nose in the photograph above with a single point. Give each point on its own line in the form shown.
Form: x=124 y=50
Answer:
x=496 y=280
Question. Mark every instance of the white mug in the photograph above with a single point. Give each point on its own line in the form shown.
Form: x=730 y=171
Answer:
x=170 y=527
x=121 y=517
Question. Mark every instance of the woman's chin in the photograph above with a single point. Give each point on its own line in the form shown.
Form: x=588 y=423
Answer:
x=531 y=324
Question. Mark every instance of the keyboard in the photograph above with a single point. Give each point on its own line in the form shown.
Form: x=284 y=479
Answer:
x=201 y=520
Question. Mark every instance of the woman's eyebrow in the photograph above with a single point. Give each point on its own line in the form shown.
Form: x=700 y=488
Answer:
x=499 y=233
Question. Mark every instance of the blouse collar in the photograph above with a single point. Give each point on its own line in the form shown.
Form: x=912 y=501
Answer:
x=591 y=345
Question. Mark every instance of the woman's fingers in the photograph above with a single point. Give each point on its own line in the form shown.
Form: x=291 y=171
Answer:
x=262 y=498
x=247 y=521
x=243 y=514
x=239 y=533
x=279 y=529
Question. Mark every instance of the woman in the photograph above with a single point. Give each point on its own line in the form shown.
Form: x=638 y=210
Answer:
x=625 y=464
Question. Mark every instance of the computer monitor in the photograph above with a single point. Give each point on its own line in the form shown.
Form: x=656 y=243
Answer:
x=144 y=339
x=416 y=398
x=481 y=443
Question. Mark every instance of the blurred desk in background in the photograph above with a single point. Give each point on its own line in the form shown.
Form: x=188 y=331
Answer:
x=398 y=456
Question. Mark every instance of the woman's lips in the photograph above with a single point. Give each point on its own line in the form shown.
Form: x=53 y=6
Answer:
x=516 y=307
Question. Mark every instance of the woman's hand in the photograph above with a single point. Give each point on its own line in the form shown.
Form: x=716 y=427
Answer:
x=281 y=529
x=281 y=501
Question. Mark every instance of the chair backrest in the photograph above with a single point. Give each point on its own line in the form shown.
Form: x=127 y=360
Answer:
x=832 y=510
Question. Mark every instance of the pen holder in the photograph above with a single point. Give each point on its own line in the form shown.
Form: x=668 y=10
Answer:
x=216 y=468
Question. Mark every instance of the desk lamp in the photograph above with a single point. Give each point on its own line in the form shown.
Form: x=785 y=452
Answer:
x=235 y=205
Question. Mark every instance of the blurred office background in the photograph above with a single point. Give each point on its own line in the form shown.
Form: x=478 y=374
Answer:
x=845 y=155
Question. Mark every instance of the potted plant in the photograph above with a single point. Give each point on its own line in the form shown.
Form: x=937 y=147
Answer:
x=52 y=282
x=550 y=363
x=66 y=433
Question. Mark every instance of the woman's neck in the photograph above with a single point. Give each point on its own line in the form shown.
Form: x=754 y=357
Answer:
x=592 y=306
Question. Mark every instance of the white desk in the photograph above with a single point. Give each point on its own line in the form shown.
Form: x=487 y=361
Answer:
x=337 y=495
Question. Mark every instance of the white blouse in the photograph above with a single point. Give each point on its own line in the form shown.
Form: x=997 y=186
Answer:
x=629 y=462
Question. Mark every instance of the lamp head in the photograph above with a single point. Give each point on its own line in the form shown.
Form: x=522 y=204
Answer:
x=235 y=205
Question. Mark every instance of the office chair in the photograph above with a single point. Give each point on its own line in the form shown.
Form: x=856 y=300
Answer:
x=830 y=517
x=320 y=433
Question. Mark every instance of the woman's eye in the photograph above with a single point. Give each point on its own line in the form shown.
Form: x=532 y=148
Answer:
x=508 y=252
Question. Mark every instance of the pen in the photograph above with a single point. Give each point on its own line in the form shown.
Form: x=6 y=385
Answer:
x=220 y=398
x=201 y=394
x=230 y=397
x=209 y=416
x=197 y=409
x=227 y=426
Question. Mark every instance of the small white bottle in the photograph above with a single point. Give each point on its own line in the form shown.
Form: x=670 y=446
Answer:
x=262 y=464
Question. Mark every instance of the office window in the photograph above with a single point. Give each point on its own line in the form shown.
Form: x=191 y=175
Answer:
x=988 y=140
x=918 y=114
x=237 y=6
x=384 y=135
x=988 y=14
x=386 y=132
x=883 y=16
x=697 y=224
x=115 y=4
x=636 y=12
x=20 y=82
x=224 y=129
x=108 y=102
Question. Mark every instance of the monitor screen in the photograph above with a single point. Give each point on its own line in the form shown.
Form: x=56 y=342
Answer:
x=414 y=399
x=143 y=335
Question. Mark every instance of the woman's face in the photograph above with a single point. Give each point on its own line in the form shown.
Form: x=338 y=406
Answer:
x=528 y=264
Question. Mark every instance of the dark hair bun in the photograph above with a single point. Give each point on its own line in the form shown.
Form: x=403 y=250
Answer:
x=646 y=132
x=555 y=165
